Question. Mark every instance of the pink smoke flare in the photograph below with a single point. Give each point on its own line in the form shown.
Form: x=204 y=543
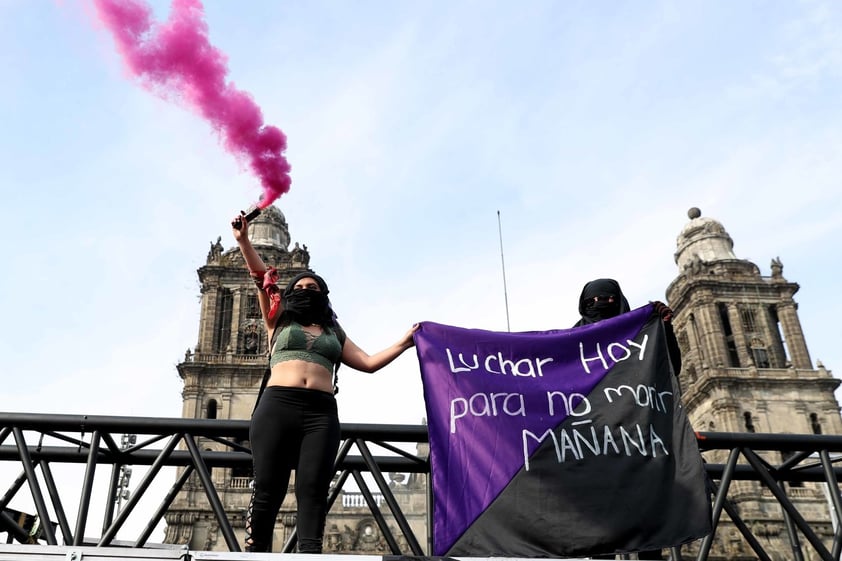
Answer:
x=176 y=58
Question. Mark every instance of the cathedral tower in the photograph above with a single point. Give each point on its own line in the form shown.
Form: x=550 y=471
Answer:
x=746 y=366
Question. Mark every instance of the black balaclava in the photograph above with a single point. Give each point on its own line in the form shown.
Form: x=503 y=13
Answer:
x=307 y=306
x=593 y=312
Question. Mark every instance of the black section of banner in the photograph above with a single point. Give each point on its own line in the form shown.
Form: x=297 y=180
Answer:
x=602 y=481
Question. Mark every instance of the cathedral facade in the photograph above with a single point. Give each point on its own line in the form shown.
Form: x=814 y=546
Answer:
x=746 y=368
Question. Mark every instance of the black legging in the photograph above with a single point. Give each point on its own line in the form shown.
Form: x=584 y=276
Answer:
x=292 y=428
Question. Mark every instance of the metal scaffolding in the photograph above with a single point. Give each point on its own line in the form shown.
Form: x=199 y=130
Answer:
x=36 y=443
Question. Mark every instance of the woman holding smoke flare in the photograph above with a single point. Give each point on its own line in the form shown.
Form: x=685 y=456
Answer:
x=295 y=425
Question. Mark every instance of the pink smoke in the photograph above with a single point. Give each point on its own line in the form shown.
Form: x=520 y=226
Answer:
x=176 y=58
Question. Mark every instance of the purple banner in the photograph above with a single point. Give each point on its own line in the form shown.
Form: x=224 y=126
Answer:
x=516 y=419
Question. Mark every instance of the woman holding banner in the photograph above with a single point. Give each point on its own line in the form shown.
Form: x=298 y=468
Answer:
x=603 y=299
x=295 y=425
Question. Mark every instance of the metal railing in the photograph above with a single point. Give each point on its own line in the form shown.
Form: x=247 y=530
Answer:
x=39 y=442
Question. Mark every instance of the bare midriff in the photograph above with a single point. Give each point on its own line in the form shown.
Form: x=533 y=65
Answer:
x=301 y=374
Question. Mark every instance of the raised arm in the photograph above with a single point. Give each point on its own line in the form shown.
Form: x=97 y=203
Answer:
x=255 y=265
x=358 y=359
x=241 y=234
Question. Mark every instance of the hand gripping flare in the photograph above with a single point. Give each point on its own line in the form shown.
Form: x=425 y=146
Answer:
x=252 y=213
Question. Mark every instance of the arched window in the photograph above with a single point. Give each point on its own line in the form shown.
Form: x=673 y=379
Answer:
x=748 y=421
x=222 y=331
x=815 y=424
x=210 y=468
x=242 y=471
x=733 y=357
x=212 y=408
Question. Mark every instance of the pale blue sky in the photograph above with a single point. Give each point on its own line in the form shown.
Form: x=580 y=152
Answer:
x=592 y=127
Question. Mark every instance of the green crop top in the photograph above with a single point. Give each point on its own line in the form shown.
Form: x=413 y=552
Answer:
x=293 y=343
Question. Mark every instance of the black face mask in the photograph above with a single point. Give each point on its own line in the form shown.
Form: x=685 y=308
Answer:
x=602 y=309
x=306 y=306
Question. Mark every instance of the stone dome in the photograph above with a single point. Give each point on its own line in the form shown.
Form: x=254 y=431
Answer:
x=270 y=229
x=702 y=239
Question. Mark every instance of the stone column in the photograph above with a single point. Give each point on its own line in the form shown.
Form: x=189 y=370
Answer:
x=237 y=298
x=740 y=339
x=794 y=336
x=210 y=297
x=190 y=395
x=716 y=349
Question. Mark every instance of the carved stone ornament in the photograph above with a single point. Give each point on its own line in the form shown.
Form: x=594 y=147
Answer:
x=777 y=268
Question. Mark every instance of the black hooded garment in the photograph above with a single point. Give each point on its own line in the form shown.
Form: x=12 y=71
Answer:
x=592 y=314
x=604 y=288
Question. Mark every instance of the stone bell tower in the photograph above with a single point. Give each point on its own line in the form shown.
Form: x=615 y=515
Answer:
x=747 y=368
